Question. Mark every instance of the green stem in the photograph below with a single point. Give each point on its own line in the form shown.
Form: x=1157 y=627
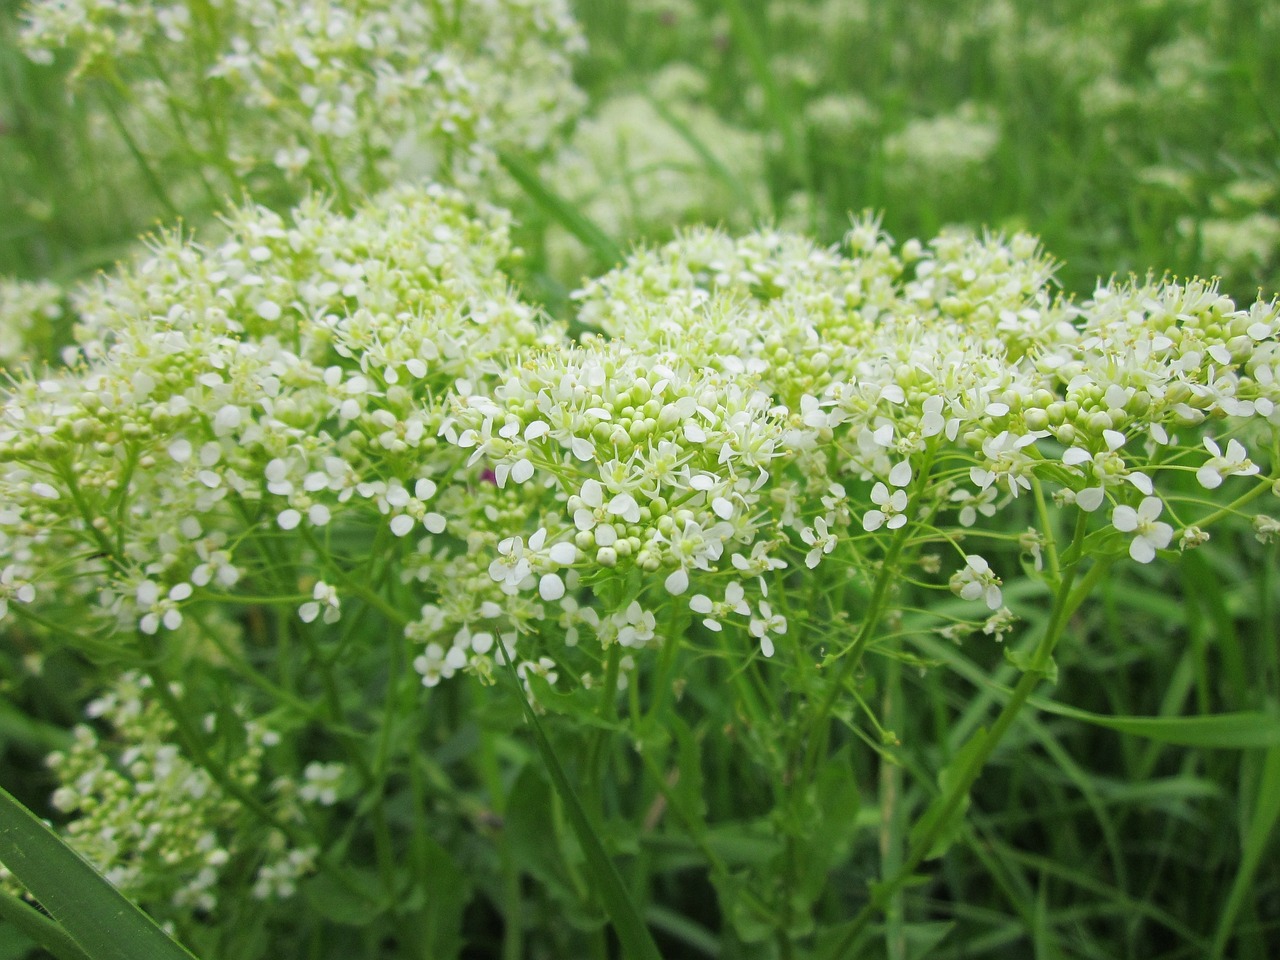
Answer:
x=852 y=657
x=1065 y=602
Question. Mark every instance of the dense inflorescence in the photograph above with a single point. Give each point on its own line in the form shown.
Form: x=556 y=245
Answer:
x=324 y=410
x=158 y=825
x=28 y=311
x=352 y=98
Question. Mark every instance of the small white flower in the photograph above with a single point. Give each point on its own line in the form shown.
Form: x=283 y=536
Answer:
x=325 y=598
x=511 y=568
x=973 y=504
x=976 y=581
x=734 y=602
x=1150 y=534
x=820 y=539
x=768 y=622
x=890 y=513
x=1234 y=463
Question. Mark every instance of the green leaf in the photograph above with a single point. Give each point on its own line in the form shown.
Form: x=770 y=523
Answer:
x=333 y=901
x=1223 y=731
x=938 y=819
x=562 y=211
x=101 y=921
x=1261 y=824
x=636 y=940
x=1022 y=662
x=447 y=895
x=33 y=927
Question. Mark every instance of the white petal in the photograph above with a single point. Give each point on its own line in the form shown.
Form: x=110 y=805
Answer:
x=1141 y=550
x=1124 y=519
x=551 y=587
x=289 y=519
x=564 y=553
x=521 y=471
x=1091 y=499
x=677 y=582
x=401 y=524
x=900 y=475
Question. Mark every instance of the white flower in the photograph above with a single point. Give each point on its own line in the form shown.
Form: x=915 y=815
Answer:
x=972 y=504
x=768 y=622
x=1236 y=462
x=321 y=783
x=822 y=541
x=160 y=609
x=733 y=602
x=977 y=581
x=637 y=626
x=593 y=515
x=1150 y=535
x=325 y=598
x=511 y=568
x=890 y=513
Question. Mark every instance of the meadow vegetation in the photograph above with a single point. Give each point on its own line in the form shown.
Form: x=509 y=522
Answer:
x=674 y=478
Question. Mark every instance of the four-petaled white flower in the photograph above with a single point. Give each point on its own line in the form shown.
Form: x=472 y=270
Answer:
x=1150 y=534
x=977 y=581
x=1235 y=463
x=160 y=609
x=891 y=509
x=768 y=622
x=734 y=602
x=821 y=539
x=511 y=567
x=324 y=598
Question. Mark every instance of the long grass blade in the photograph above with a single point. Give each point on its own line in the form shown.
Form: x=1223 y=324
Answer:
x=1261 y=824
x=637 y=942
x=36 y=926
x=562 y=211
x=97 y=917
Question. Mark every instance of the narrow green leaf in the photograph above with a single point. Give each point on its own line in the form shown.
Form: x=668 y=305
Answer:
x=1265 y=814
x=95 y=914
x=1222 y=731
x=637 y=942
x=944 y=817
x=748 y=36
x=562 y=211
x=709 y=159
x=36 y=926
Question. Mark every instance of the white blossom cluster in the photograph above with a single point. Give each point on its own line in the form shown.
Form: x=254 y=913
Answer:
x=277 y=380
x=160 y=828
x=27 y=310
x=636 y=174
x=751 y=406
x=351 y=97
x=940 y=156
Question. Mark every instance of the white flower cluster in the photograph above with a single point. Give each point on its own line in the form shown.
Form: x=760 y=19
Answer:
x=761 y=403
x=27 y=311
x=635 y=173
x=160 y=828
x=279 y=379
x=352 y=97
x=941 y=155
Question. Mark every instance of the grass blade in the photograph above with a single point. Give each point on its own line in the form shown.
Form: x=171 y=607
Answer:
x=99 y=918
x=637 y=942
x=1263 y=821
x=1221 y=731
x=36 y=926
x=562 y=211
